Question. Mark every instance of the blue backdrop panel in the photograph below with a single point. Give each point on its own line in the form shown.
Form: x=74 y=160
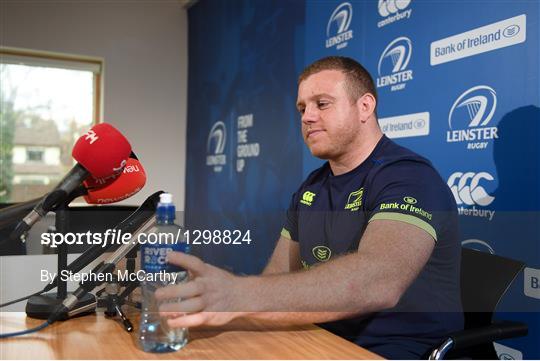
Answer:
x=244 y=158
x=458 y=82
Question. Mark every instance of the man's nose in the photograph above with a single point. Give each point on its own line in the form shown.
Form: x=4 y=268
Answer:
x=310 y=115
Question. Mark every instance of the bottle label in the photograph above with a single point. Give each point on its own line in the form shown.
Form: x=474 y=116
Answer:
x=154 y=257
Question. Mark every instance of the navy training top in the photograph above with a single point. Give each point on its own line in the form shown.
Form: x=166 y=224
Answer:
x=329 y=214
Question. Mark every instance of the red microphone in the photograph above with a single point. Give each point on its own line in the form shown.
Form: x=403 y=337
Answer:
x=125 y=185
x=102 y=152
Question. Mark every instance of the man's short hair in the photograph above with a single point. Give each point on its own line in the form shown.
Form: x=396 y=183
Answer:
x=358 y=79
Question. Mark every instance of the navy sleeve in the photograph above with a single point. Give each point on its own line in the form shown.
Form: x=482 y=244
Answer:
x=411 y=191
x=290 y=228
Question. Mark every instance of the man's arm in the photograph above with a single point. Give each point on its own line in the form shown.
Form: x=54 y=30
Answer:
x=285 y=258
x=389 y=258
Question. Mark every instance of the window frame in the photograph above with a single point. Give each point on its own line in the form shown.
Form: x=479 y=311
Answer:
x=32 y=57
x=9 y=55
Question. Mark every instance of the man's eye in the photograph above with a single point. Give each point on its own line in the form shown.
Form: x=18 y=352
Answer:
x=322 y=105
x=301 y=110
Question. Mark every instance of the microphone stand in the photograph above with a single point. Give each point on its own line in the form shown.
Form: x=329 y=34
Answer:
x=109 y=297
x=113 y=300
x=43 y=305
x=146 y=210
x=63 y=305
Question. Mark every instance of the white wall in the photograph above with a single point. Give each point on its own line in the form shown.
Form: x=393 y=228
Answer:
x=144 y=46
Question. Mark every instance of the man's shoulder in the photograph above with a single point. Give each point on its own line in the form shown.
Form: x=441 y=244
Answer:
x=393 y=152
x=396 y=158
x=404 y=171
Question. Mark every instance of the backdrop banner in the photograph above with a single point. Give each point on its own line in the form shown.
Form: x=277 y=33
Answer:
x=458 y=82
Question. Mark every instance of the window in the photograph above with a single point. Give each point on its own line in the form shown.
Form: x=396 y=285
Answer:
x=47 y=101
x=34 y=155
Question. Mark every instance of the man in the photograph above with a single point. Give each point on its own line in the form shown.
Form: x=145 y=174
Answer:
x=370 y=245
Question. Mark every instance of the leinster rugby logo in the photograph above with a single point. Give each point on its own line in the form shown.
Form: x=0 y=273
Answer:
x=478 y=245
x=355 y=200
x=393 y=64
x=215 y=146
x=322 y=253
x=473 y=110
x=337 y=29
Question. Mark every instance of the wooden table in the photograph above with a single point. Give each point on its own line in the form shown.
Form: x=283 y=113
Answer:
x=95 y=337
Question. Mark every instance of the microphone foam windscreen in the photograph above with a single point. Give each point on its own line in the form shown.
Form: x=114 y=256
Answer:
x=129 y=182
x=103 y=151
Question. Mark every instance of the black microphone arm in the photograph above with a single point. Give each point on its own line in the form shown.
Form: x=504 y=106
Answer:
x=52 y=200
x=63 y=310
x=14 y=212
x=9 y=214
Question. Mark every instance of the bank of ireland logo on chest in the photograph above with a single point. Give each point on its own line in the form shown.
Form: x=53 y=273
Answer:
x=470 y=116
x=215 y=146
x=393 y=63
x=337 y=29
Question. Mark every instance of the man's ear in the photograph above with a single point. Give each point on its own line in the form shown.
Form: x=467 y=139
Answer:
x=366 y=106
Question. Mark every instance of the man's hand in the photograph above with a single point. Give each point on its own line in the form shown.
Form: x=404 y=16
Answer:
x=207 y=298
x=390 y=256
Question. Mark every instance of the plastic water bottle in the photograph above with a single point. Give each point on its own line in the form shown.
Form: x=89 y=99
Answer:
x=154 y=333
